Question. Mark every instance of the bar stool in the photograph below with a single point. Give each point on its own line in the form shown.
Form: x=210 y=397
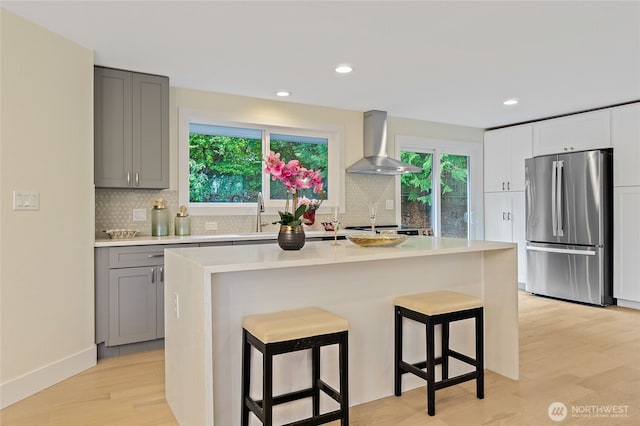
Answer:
x=289 y=331
x=430 y=309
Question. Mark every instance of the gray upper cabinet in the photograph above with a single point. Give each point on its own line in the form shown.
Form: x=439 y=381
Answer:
x=131 y=129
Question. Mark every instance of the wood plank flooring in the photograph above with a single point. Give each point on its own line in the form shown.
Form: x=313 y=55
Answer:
x=585 y=357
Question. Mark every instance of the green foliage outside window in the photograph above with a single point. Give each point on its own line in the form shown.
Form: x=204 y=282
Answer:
x=454 y=171
x=224 y=169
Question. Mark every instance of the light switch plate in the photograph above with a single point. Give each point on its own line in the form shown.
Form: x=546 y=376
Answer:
x=389 y=205
x=139 y=215
x=26 y=200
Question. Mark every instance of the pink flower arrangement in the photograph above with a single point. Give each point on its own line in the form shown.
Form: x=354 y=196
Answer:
x=292 y=174
x=295 y=177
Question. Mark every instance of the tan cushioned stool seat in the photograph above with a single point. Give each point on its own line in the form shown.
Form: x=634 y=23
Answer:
x=295 y=324
x=438 y=302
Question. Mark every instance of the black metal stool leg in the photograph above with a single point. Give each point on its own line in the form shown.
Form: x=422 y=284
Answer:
x=315 y=378
x=480 y=353
x=267 y=387
x=431 y=381
x=246 y=375
x=343 y=354
x=445 y=350
x=398 y=353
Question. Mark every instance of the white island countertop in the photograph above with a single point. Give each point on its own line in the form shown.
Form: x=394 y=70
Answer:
x=257 y=257
x=209 y=290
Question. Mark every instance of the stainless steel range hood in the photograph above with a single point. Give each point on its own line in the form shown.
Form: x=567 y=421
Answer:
x=375 y=159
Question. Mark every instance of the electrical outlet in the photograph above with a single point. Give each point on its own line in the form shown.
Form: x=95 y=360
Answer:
x=139 y=215
x=389 y=205
x=210 y=226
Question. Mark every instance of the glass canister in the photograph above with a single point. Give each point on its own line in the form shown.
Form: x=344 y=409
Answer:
x=183 y=222
x=159 y=219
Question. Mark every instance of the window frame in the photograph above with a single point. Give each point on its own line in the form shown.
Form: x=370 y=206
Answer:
x=436 y=147
x=334 y=180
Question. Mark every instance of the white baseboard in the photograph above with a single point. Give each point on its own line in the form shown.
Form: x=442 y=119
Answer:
x=30 y=383
x=628 y=303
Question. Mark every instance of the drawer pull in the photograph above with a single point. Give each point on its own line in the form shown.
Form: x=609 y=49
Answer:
x=151 y=256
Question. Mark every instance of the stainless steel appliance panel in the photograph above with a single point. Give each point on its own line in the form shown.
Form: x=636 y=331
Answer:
x=566 y=272
x=540 y=217
x=580 y=215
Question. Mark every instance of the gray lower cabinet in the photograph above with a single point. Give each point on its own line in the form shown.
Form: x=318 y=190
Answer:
x=130 y=297
x=131 y=129
x=135 y=304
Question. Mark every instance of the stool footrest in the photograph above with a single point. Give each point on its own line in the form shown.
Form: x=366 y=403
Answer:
x=290 y=396
x=445 y=383
x=255 y=407
x=322 y=418
x=463 y=357
x=410 y=368
x=334 y=394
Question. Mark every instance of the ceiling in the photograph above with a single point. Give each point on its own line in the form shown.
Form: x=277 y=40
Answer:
x=443 y=61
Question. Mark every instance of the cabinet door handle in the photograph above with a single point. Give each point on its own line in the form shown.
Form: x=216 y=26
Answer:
x=151 y=256
x=161 y=274
x=509 y=216
x=503 y=216
x=137 y=179
x=503 y=186
x=153 y=275
x=508 y=186
x=128 y=178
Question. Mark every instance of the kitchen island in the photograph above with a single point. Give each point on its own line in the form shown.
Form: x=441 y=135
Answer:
x=209 y=290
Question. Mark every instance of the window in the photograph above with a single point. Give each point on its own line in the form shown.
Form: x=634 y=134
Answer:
x=225 y=164
x=312 y=152
x=441 y=197
x=221 y=168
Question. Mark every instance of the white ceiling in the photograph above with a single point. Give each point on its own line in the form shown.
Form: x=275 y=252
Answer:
x=448 y=61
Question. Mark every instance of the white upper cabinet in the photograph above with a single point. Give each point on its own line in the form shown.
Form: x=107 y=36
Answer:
x=504 y=153
x=625 y=133
x=579 y=132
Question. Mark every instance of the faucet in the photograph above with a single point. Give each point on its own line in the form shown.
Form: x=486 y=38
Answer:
x=259 y=211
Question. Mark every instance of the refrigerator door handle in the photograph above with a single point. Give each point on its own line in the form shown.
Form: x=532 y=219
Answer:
x=554 y=215
x=559 y=221
x=563 y=251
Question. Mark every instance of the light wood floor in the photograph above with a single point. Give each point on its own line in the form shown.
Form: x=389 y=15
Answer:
x=585 y=357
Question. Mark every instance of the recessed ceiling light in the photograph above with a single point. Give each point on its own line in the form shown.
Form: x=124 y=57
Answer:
x=283 y=93
x=512 y=101
x=344 y=69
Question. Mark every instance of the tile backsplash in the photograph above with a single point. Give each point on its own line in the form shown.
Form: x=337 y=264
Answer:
x=114 y=208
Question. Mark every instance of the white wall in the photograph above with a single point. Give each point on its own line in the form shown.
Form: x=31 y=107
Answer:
x=46 y=256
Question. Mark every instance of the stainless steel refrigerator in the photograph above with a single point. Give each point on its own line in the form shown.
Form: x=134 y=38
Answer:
x=569 y=228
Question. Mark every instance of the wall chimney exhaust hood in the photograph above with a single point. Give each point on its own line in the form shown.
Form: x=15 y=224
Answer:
x=375 y=159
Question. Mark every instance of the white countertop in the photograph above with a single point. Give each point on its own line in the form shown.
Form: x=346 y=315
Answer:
x=271 y=256
x=175 y=239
